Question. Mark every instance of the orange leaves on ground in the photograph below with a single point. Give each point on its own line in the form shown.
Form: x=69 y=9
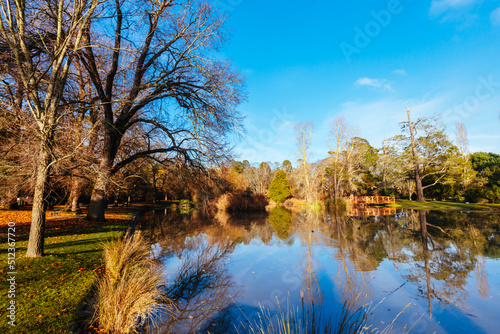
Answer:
x=16 y=216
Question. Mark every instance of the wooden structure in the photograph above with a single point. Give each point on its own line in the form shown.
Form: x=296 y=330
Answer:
x=370 y=200
x=371 y=211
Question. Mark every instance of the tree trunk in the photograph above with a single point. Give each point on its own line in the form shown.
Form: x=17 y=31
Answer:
x=75 y=193
x=37 y=229
x=97 y=204
x=418 y=179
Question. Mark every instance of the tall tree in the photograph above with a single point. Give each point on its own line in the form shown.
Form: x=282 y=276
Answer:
x=467 y=174
x=41 y=39
x=418 y=179
x=303 y=135
x=279 y=190
x=162 y=73
x=342 y=164
x=427 y=150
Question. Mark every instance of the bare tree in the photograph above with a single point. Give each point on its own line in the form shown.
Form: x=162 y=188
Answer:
x=467 y=173
x=42 y=38
x=462 y=141
x=162 y=74
x=341 y=152
x=303 y=134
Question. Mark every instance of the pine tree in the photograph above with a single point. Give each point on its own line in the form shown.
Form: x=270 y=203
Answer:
x=279 y=190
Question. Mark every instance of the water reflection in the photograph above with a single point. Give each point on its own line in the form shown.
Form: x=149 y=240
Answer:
x=440 y=262
x=202 y=288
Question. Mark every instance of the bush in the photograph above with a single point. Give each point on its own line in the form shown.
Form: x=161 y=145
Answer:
x=279 y=190
x=240 y=202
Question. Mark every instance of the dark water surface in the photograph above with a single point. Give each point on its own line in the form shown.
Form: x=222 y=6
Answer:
x=221 y=272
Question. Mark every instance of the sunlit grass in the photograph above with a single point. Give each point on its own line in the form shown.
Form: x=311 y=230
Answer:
x=52 y=291
x=440 y=205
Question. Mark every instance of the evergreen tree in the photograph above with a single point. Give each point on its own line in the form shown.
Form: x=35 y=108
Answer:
x=279 y=190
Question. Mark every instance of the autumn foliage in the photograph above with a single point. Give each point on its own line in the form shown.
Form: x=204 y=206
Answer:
x=240 y=201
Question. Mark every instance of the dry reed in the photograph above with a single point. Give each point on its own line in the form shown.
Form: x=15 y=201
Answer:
x=130 y=292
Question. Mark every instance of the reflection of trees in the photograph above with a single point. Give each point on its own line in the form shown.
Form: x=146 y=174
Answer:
x=441 y=250
x=451 y=248
x=281 y=220
x=354 y=258
x=357 y=250
x=482 y=278
x=202 y=289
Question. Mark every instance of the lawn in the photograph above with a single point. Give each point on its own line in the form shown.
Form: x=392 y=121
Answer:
x=52 y=291
x=440 y=205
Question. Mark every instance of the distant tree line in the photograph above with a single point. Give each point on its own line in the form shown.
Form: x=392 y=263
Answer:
x=446 y=169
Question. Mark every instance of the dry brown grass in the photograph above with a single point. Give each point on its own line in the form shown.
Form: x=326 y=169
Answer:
x=294 y=204
x=240 y=202
x=129 y=294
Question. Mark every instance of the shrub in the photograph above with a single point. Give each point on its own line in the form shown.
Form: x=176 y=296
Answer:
x=279 y=190
x=240 y=202
x=129 y=294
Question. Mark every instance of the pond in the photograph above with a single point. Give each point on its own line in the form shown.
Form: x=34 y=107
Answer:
x=222 y=272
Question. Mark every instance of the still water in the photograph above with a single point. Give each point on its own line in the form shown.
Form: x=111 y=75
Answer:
x=221 y=272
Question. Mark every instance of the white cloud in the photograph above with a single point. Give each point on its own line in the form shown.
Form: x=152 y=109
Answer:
x=399 y=72
x=378 y=83
x=439 y=7
x=495 y=17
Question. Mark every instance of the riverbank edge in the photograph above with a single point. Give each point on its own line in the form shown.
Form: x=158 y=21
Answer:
x=445 y=206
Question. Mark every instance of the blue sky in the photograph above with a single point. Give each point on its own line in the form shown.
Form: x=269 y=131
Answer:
x=367 y=60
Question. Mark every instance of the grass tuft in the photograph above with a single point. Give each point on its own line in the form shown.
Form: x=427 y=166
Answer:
x=309 y=319
x=130 y=292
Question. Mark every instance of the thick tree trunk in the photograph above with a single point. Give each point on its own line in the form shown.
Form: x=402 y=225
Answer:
x=37 y=229
x=97 y=204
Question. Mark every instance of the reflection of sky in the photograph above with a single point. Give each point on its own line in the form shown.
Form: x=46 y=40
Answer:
x=277 y=269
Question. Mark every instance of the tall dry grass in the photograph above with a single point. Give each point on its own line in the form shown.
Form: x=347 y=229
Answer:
x=309 y=319
x=130 y=292
x=241 y=202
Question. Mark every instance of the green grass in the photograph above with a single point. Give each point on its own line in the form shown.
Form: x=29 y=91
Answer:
x=53 y=290
x=440 y=205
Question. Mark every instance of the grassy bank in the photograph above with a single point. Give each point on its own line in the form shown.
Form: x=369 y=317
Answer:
x=52 y=291
x=439 y=205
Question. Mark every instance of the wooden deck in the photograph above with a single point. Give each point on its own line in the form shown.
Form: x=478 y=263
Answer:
x=370 y=200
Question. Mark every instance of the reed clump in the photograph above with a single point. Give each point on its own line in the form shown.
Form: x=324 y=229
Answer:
x=241 y=202
x=130 y=292
x=310 y=319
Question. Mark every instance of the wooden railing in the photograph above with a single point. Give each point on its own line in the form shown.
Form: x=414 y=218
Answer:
x=371 y=211
x=370 y=200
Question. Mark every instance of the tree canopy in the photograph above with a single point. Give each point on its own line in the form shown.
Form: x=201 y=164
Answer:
x=279 y=190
